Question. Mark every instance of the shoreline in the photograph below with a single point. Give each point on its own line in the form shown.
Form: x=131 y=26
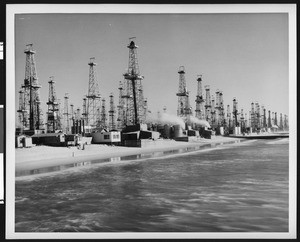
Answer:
x=30 y=160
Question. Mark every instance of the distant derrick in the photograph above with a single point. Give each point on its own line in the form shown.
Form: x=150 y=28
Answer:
x=213 y=112
x=52 y=114
x=235 y=113
x=228 y=117
x=103 y=116
x=112 y=111
x=66 y=114
x=30 y=111
x=93 y=97
x=199 y=111
x=121 y=108
x=183 y=106
x=207 y=104
x=23 y=119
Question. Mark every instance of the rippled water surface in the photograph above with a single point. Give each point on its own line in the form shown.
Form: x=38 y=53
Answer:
x=236 y=188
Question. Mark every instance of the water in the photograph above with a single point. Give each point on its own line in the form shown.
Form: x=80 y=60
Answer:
x=236 y=188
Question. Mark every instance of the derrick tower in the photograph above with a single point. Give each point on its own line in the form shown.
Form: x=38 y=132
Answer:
x=183 y=109
x=264 y=118
x=286 y=123
x=199 y=111
x=207 y=104
x=103 y=117
x=84 y=109
x=93 y=97
x=72 y=114
x=213 y=111
x=52 y=114
x=275 y=119
x=23 y=121
x=32 y=112
x=66 y=113
x=269 y=119
x=235 y=112
x=111 y=121
x=60 y=115
x=242 y=120
x=281 y=122
x=121 y=108
x=133 y=89
x=252 y=117
x=221 y=109
x=217 y=108
x=257 y=116
x=228 y=117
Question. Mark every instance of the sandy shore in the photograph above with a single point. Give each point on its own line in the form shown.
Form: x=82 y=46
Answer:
x=46 y=156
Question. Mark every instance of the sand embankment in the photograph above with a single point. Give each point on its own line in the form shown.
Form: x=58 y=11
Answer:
x=45 y=156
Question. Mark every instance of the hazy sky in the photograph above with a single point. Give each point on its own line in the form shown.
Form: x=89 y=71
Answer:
x=244 y=55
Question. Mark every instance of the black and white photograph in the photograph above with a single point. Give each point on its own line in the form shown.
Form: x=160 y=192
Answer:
x=150 y=121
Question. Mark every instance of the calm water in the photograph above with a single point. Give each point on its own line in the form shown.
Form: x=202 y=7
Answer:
x=236 y=188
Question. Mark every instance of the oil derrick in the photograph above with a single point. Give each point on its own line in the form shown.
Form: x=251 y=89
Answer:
x=23 y=121
x=59 y=116
x=84 y=109
x=93 y=97
x=228 y=117
x=111 y=121
x=242 y=121
x=245 y=121
x=32 y=108
x=213 y=111
x=183 y=109
x=257 y=116
x=252 y=117
x=275 y=119
x=77 y=114
x=269 y=119
x=221 y=119
x=103 y=117
x=280 y=122
x=286 y=123
x=235 y=112
x=133 y=92
x=121 y=108
x=72 y=115
x=217 y=108
x=66 y=114
x=264 y=118
x=146 y=108
x=52 y=108
x=199 y=112
x=207 y=104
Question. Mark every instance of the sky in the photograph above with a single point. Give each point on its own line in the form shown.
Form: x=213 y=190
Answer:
x=244 y=55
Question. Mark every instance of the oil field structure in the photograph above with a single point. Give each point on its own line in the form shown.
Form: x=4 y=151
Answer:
x=127 y=124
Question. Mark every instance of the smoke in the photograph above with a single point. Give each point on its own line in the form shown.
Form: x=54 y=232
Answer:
x=165 y=118
x=201 y=122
